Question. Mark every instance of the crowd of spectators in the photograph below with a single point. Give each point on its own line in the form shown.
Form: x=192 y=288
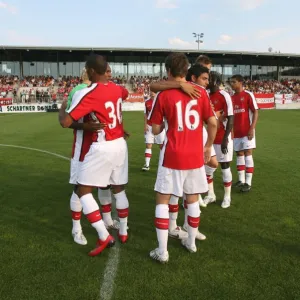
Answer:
x=46 y=88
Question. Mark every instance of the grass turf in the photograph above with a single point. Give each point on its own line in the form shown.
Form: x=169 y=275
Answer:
x=252 y=249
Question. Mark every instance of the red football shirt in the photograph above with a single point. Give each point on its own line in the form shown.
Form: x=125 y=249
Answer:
x=244 y=104
x=183 y=145
x=104 y=100
x=148 y=108
x=222 y=102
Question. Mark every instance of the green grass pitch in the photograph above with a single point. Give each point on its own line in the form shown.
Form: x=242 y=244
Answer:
x=252 y=249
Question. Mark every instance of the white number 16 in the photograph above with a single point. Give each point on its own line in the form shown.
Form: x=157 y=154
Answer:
x=189 y=112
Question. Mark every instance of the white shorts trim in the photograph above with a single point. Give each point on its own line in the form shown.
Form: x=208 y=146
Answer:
x=106 y=163
x=240 y=144
x=150 y=138
x=177 y=182
x=224 y=157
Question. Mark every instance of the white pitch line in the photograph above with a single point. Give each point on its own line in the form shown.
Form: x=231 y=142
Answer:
x=34 y=149
x=111 y=269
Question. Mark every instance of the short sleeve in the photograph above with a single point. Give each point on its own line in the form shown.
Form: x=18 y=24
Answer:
x=156 y=115
x=252 y=102
x=228 y=107
x=124 y=93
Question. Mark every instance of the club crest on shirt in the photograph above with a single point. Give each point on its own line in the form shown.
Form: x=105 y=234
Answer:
x=242 y=99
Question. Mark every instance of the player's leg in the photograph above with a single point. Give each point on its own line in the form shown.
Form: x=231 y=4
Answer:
x=118 y=179
x=148 y=155
x=75 y=205
x=195 y=183
x=122 y=205
x=174 y=230
x=166 y=184
x=200 y=236
x=105 y=198
x=227 y=181
x=92 y=212
x=249 y=171
x=210 y=168
x=149 y=141
x=240 y=161
x=95 y=170
x=76 y=209
x=193 y=219
x=224 y=160
x=161 y=253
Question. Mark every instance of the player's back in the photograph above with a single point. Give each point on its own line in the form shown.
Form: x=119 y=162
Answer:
x=108 y=109
x=183 y=147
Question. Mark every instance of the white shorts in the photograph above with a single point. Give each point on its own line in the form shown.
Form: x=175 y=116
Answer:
x=240 y=144
x=74 y=171
x=106 y=163
x=224 y=157
x=150 y=138
x=177 y=182
x=205 y=136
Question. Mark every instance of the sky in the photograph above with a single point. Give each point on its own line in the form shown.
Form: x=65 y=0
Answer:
x=239 y=25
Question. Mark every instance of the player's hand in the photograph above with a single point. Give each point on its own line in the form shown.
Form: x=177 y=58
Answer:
x=190 y=89
x=93 y=126
x=250 y=134
x=224 y=146
x=145 y=129
x=126 y=135
x=207 y=154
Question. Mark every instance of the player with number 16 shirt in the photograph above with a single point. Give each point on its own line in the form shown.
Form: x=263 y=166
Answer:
x=181 y=168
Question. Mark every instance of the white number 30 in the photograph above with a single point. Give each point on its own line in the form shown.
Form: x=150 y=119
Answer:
x=189 y=112
x=112 y=114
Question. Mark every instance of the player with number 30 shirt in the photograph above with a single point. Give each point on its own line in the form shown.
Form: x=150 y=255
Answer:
x=106 y=162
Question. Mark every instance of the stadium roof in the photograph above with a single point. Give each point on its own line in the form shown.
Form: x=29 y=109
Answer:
x=146 y=50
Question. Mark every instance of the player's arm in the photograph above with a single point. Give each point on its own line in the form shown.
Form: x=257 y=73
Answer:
x=82 y=104
x=65 y=119
x=186 y=87
x=254 y=108
x=228 y=111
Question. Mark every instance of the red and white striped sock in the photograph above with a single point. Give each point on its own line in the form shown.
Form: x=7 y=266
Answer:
x=76 y=209
x=162 y=225
x=173 y=212
x=92 y=212
x=240 y=164
x=104 y=196
x=249 y=169
x=227 y=180
x=122 y=206
x=193 y=221
x=148 y=155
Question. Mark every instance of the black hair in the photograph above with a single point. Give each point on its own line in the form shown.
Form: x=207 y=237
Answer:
x=98 y=63
x=215 y=78
x=238 y=78
x=196 y=70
